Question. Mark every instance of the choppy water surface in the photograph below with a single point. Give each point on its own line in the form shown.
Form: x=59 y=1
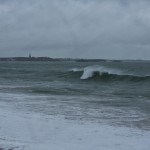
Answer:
x=116 y=93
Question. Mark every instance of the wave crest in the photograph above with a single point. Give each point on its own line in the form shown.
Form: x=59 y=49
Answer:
x=106 y=73
x=90 y=71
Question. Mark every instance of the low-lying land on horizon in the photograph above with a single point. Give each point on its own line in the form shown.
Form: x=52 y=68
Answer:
x=59 y=59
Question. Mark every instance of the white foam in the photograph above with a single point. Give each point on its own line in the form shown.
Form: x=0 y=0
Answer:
x=89 y=71
x=76 y=70
x=37 y=132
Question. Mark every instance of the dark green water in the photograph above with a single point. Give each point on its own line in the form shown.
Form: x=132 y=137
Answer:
x=116 y=93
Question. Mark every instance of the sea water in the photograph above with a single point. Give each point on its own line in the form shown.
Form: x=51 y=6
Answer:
x=114 y=93
x=75 y=105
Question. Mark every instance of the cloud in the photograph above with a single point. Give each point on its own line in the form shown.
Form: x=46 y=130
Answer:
x=79 y=28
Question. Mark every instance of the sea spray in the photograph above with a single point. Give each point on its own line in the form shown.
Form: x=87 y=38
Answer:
x=89 y=72
x=103 y=72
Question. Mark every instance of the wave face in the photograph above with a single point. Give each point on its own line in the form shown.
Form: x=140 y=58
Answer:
x=91 y=71
x=105 y=73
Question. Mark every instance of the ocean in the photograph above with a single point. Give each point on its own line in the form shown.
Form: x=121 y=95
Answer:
x=113 y=93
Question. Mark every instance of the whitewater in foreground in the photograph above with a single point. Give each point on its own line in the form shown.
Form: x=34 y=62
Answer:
x=26 y=131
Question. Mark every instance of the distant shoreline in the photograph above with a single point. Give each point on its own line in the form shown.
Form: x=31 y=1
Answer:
x=62 y=59
x=52 y=59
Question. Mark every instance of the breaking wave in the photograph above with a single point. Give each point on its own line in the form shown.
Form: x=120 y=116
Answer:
x=105 y=73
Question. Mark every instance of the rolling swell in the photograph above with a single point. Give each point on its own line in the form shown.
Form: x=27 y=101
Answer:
x=106 y=74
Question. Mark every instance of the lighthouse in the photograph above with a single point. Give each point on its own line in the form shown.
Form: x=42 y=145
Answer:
x=30 y=55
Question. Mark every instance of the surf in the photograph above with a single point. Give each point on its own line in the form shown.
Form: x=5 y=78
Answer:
x=106 y=73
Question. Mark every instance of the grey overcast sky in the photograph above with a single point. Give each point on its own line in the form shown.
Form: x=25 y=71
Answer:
x=113 y=29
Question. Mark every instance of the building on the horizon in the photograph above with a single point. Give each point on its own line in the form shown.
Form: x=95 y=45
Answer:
x=30 y=55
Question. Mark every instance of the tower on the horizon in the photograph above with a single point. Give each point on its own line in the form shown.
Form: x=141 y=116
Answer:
x=30 y=55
